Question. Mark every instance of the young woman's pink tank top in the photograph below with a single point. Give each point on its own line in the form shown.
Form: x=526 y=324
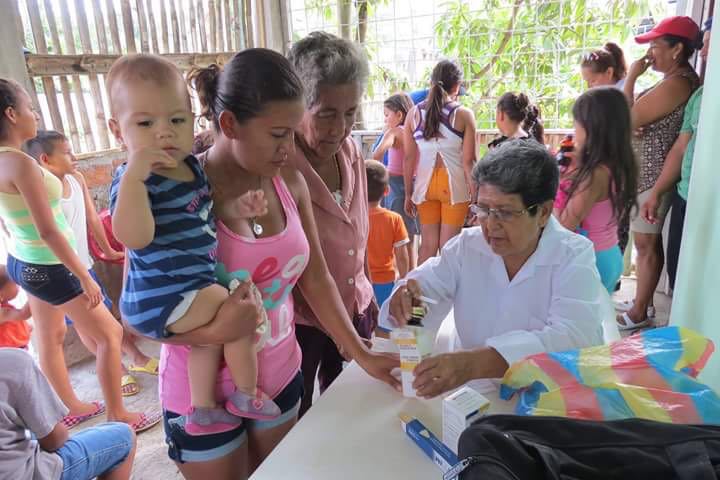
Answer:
x=274 y=264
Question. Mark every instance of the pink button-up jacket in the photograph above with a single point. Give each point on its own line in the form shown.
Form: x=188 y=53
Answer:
x=343 y=231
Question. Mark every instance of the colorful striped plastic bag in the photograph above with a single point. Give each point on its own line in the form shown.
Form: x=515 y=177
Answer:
x=650 y=375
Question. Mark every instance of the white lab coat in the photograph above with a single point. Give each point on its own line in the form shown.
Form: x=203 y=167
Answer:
x=555 y=302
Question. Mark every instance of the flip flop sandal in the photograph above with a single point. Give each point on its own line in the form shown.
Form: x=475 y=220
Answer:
x=629 y=323
x=626 y=305
x=150 y=367
x=146 y=421
x=72 y=421
x=129 y=386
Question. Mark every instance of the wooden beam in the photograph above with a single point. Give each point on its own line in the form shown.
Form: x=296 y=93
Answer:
x=94 y=64
x=41 y=46
x=128 y=26
x=164 y=28
x=153 y=27
x=142 y=21
x=201 y=24
x=177 y=48
x=76 y=84
x=95 y=88
x=70 y=113
x=114 y=31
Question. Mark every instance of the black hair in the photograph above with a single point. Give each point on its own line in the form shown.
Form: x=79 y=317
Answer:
x=44 y=142
x=250 y=80
x=689 y=46
x=605 y=115
x=10 y=92
x=520 y=167
x=399 y=102
x=445 y=77
x=377 y=180
x=609 y=56
x=518 y=108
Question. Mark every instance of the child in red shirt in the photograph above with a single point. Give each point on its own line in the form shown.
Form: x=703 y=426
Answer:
x=14 y=328
x=387 y=237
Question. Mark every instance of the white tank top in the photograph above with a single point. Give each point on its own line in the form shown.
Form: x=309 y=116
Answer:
x=74 y=209
x=448 y=145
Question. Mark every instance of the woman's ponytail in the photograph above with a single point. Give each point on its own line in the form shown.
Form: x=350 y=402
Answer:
x=445 y=77
x=205 y=82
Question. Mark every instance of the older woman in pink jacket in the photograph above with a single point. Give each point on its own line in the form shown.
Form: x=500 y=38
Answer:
x=334 y=73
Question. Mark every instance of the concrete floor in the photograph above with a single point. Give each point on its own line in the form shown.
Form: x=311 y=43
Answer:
x=151 y=460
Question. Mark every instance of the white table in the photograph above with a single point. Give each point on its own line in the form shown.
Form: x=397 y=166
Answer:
x=353 y=432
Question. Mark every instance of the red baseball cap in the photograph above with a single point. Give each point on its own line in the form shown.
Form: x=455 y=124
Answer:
x=683 y=27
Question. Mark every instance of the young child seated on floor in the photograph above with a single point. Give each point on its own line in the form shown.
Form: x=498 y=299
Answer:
x=35 y=443
x=14 y=328
x=387 y=237
x=53 y=152
x=161 y=206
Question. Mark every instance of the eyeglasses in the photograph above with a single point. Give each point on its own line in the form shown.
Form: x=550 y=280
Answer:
x=481 y=212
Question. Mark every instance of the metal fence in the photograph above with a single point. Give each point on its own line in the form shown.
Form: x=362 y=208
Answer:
x=533 y=46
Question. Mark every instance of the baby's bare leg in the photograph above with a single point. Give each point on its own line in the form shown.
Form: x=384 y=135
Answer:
x=241 y=359
x=203 y=365
x=204 y=361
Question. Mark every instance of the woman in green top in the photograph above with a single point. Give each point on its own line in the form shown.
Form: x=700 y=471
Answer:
x=43 y=262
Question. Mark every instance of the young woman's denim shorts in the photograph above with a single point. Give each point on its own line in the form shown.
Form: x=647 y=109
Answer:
x=184 y=448
x=54 y=284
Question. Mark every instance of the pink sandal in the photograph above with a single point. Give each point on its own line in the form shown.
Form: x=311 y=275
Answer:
x=72 y=421
x=146 y=421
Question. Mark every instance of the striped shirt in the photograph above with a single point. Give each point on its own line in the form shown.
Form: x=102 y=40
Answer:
x=181 y=256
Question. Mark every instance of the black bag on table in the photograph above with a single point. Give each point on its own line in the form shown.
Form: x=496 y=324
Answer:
x=512 y=447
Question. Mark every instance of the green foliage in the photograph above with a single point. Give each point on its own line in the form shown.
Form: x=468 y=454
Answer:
x=533 y=46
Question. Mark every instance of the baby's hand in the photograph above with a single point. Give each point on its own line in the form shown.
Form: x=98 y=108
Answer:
x=143 y=161
x=250 y=205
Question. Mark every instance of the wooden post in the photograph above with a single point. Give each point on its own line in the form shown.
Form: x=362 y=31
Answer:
x=184 y=45
x=212 y=26
x=239 y=25
x=94 y=83
x=99 y=27
x=128 y=26
x=41 y=46
x=113 y=21
x=194 y=44
x=142 y=21
x=76 y=84
x=153 y=26
x=249 y=27
x=218 y=26
x=177 y=48
x=73 y=134
x=12 y=60
x=228 y=27
x=201 y=23
x=164 y=27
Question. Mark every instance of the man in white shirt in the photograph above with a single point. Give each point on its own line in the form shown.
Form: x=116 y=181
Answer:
x=519 y=283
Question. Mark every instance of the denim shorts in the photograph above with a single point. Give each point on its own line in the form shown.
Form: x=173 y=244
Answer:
x=184 y=448
x=95 y=451
x=54 y=284
x=395 y=201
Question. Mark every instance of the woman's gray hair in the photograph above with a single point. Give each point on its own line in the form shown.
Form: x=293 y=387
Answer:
x=322 y=59
x=523 y=167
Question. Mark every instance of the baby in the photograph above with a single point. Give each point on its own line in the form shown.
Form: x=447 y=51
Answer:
x=161 y=206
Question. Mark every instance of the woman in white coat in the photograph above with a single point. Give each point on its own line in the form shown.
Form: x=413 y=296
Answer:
x=519 y=283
